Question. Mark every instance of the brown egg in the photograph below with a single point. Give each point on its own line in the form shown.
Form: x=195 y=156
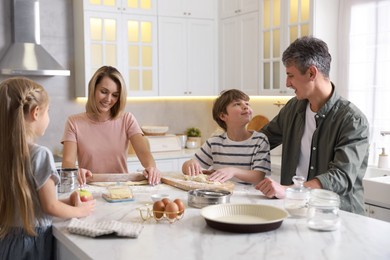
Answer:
x=181 y=206
x=166 y=201
x=171 y=210
x=158 y=209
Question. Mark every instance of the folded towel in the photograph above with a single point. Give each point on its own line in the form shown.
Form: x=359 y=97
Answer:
x=89 y=229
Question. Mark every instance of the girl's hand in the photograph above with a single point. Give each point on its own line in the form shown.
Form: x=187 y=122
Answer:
x=153 y=175
x=85 y=208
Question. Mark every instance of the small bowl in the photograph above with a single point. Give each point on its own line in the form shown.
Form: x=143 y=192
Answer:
x=200 y=198
x=157 y=197
x=191 y=144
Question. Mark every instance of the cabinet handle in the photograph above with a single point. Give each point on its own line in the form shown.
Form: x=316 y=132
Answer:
x=372 y=212
x=185 y=13
x=189 y=13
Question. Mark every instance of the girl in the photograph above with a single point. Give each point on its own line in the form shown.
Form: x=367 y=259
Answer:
x=28 y=177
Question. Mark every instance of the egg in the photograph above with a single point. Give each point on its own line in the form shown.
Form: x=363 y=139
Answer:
x=166 y=201
x=171 y=210
x=158 y=209
x=181 y=206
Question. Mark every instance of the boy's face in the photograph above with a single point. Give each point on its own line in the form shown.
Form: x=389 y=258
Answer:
x=239 y=113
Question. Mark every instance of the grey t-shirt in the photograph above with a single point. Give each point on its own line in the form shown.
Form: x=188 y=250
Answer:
x=43 y=168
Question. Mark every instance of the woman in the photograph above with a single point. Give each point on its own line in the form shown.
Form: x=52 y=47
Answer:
x=99 y=137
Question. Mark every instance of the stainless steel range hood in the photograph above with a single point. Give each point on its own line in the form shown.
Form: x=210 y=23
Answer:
x=26 y=56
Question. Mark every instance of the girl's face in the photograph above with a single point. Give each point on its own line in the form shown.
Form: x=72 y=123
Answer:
x=238 y=113
x=42 y=121
x=106 y=95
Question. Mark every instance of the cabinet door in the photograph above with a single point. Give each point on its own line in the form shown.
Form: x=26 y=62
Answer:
x=128 y=6
x=101 y=46
x=201 y=57
x=239 y=59
x=186 y=57
x=172 y=56
x=187 y=8
x=248 y=27
x=231 y=8
x=139 y=55
x=281 y=24
x=230 y=54
x=377 y=212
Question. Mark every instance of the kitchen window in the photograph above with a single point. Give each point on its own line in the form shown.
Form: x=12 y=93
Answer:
x=364 y=62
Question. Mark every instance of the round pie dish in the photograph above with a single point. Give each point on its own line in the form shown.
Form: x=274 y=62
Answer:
x=244 y=218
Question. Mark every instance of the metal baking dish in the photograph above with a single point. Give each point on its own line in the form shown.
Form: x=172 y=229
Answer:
x=200 y=198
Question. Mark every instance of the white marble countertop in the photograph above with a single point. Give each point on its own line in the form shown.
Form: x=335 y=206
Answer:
x=358 y=237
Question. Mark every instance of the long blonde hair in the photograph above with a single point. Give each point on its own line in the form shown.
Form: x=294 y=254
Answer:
x=116 y=76
x=18 y=97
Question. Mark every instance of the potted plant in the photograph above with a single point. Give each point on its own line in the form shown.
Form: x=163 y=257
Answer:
x=194 y=134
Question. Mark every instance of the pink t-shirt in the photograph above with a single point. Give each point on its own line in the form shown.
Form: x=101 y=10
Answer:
x=101 y=146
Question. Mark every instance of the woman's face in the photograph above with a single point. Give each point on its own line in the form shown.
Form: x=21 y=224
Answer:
x=106 y=95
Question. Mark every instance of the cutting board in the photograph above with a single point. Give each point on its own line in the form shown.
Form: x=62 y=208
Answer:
x=178 y=181
x=115 y=177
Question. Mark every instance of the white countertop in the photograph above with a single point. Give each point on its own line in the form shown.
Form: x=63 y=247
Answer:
x=358 y=237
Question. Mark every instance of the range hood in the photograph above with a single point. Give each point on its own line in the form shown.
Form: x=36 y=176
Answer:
x=26 y=56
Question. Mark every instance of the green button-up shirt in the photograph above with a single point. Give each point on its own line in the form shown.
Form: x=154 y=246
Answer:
x=339 y=149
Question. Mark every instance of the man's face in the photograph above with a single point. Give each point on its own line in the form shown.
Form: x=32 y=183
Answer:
x=300 y=83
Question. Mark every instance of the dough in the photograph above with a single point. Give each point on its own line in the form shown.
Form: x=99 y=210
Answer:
x=202 y=178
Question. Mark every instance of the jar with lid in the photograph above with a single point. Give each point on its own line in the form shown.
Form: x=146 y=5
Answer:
x=297 y=198
x=323 y=213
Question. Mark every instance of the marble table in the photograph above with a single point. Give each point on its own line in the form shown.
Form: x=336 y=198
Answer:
x=358 y=237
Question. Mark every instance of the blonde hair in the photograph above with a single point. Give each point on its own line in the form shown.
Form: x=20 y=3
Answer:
x=18 y=97
x=116 y=76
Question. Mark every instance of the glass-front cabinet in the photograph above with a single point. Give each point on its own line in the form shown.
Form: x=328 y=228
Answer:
x=282 y=22
x=122 y=34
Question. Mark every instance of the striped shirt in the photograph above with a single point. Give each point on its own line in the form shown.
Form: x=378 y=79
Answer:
x=221 y=152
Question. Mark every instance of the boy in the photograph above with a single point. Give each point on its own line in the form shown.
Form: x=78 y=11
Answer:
x=236 y=154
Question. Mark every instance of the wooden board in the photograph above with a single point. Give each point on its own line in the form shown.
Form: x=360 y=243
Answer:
x=179 y=182
x=115 y=177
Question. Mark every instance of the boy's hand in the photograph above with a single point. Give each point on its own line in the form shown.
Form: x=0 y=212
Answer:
x=192 y=168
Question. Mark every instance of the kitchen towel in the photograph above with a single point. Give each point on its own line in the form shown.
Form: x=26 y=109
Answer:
x=90 y=229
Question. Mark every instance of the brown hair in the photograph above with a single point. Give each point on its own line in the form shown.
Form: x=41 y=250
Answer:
x=221 y=103
x=116 y=76
x=18 y=97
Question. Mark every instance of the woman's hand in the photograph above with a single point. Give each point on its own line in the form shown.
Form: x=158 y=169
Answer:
x=271 y=189
x=82 y=176
x=153 y=175
x=192 y=168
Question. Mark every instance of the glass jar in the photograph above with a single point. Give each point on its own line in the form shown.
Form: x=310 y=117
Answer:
x=323 y=213
x=297 y=198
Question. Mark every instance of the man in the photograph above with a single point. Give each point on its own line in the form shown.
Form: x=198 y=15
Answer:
x=324 y=136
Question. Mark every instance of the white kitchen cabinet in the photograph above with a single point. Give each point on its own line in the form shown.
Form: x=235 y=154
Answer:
x=172 y=164
x=187 y=8
x=187 y=57
x=239 y=53
x=123 y=37
x=125 y=6
x=281 y=24
x=377 y=212
x=231 y=8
